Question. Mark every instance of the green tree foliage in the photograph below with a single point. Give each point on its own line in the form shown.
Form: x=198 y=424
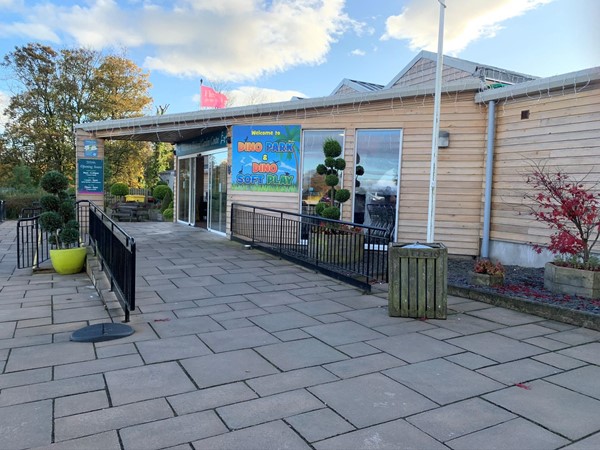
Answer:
x=54 y=90
x=161 y=158
x=21 y=179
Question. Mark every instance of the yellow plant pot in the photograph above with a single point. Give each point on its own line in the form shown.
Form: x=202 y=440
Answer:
x=69 y=260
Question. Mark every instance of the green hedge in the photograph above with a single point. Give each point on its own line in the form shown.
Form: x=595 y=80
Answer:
x=14 y=203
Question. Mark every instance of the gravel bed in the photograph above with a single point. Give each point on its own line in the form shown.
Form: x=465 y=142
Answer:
x=520 y=282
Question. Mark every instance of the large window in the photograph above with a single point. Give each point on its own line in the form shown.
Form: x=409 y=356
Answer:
x=313 y=185
x=376 y=190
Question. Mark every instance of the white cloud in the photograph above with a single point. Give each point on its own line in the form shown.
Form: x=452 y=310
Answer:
x=358 y=52
x=465 y=21
x=229 y=40
x=250 y=95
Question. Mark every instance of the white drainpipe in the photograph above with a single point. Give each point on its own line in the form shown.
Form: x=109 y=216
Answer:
x=489 y=170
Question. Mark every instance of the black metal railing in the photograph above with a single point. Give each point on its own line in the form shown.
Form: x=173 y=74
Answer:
x=353 y=253
x=2 y=211
x=116 y=251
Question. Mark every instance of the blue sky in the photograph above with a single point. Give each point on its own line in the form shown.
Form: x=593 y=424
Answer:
x=259 y=51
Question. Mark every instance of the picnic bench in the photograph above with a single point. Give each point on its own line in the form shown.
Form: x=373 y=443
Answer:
x=130 y=211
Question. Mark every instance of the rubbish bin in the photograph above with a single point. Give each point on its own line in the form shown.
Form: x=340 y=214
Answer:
x=418 y=280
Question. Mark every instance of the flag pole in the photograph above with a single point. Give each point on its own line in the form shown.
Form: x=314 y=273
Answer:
x=436 y=128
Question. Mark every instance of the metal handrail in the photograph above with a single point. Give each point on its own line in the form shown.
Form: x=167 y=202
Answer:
x=352 y=252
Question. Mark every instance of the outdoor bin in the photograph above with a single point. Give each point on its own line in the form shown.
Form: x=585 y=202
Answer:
x=418 y=280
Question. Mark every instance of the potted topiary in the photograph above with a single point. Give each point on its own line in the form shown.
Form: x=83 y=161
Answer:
x=335 y=242
x=486 y=273
x=59 y=220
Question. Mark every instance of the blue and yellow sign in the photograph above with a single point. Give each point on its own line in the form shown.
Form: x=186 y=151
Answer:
x=265 y=158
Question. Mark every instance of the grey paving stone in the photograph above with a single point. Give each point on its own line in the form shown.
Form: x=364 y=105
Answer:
x=288 y=381
x=236 y=339
x=172 y=306
x=80 y=314
x=373 y=317
x=516 y=433
x=559 y=410
x=80 y=403
x=236 y=323
x=357 y=349
x=320 y=307
x=50 y=389
x=169 y=349
x=576 y=336
x=25 y=377
x=244 y=313
x=143 y=332
x=583 y=380
x=184 y=282
x=291 y=335
x=560 y=361
x=26 y=426
x=330 y=318
x=588 y=352
x=223 y=290
x=297 y=354
x=385 y=436
x=319 y=424
x=183 y=294
x=264 y=299
x=25 y=341
x=116 y=350
x=546 y=343
x=519 y=371
x=13 y=314
x=49 y=329
x=371 y=399
x=363 y=365
x=496 y=347
x=173 y=431
x=189 y=325
x=411 y=326
x=505 y=316
x=97 y=366
x=440 y=333
x=7 y=329
x=213 y=370
x=465 y=324
x=590 y=443
x=149 y=382
x=34 y=322
x=202 y=311
x=341 y=333
x=110 y=419
x=211 y=398
x=355 y=300
x=266 y=409
x=526 y=331
x=414 y=347
x=442 y=381
x=102 y=441
x=273 y=435
x=283 y=321
x=283 y=278
x=458 y=419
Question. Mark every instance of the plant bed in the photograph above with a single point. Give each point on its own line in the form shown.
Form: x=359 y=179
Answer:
x=524 y=290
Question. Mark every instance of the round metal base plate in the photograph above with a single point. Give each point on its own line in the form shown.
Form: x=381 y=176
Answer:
x=102 y=332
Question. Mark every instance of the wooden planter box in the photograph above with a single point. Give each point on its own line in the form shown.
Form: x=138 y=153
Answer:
x=565 y=280
x=485 y=279
x=418 y=281
x=337 y=248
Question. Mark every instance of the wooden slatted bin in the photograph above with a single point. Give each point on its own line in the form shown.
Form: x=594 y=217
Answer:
x=418 y=280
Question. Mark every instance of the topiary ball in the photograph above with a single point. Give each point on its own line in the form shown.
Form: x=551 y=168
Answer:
x=340 y=164
x=51 y=221
x=54 y=182
x=69 y=236
x=332 y=148
x=342 y=195
x=331 y=212
x=160 y=191
x=332 y=180
x=50 y=203
x=321 y=169
x=319 y=207
x=119 y=190
x=330 y=162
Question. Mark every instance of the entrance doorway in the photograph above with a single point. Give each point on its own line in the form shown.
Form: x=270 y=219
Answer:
x=202 y=190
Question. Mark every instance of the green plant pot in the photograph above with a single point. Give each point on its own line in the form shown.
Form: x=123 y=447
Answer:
x=69 y=260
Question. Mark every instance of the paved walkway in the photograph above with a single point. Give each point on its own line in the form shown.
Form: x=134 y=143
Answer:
x=236 y=349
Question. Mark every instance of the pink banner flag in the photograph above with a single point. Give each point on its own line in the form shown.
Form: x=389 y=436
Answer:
x=209 y=98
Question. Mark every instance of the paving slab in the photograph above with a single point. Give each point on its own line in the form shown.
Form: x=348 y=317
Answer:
x=497 y=347
x=211 y=398
x=371 y=399
x=516 y=433
x=583 y=380
x=459 y=419
x=290 y=380
x=385 y=436
x=442 y=381
x=146 y=382
x=297 y=354
x=173 y=431
x=519 y=371
x=26 y=426
x=589 y=353
x=341 y=333
x=320 y=307
x=102 y=441
x=318 y=425
x=237 y=338
x=557 y=409
x=80 y=403
x=170 y=349
x=414 y=347
x=283 y=321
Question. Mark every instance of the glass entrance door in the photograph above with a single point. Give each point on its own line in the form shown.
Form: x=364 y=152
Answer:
x=185 y=190
x=217 y=191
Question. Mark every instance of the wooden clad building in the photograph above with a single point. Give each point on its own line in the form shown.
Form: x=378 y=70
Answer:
x=555 y=119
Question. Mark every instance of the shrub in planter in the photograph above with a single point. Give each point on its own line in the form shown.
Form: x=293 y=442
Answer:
x=168 y=214
x=486 y=273
x=331 y=168
x=119 y=190
x=571 y=208
x=160 y=191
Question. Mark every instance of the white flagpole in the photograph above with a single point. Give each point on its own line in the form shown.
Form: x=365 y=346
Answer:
x=436 y=128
